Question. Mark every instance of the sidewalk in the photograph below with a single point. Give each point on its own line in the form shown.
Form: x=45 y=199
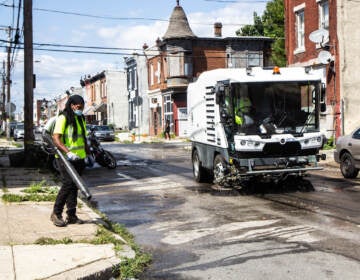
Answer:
x=25 y=223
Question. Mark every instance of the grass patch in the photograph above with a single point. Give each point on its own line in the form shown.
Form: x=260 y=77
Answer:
x=129 y=267
x=51 y=241
x=330 y=144
x=35 y=192
x=40 y=188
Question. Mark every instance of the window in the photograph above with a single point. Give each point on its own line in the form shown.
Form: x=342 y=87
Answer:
x=300 y=29
x=158 y=72
x=188 y=71
x=174 y=64
x=152 y=74
x=254 y=59
x=132 y=79
x=168 y=113
x=324 y=14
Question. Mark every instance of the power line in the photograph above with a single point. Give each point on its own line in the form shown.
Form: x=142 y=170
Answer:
x=131 y=18
x=139 y=54
x=96 y=16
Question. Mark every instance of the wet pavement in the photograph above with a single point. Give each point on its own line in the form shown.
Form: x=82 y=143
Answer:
x=195 y=232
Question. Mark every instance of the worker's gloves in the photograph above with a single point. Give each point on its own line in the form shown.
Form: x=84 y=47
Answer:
x=71 y=156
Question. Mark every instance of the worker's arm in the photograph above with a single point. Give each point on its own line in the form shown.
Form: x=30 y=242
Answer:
x=59 y=144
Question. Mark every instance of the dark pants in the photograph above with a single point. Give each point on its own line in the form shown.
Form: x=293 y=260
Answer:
x=68 y=191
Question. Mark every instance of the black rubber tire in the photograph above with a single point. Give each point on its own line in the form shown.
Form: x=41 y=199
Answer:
x=347 y=166
x=200 y=173
x=219 y=169
x=110 y=160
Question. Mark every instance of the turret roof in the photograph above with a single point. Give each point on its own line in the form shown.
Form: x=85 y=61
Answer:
x=178 y=26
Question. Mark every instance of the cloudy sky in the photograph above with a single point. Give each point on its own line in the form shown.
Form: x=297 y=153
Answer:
x=104 y=24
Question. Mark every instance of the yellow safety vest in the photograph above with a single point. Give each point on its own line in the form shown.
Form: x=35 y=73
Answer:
x=243 y=107
x=76 y=146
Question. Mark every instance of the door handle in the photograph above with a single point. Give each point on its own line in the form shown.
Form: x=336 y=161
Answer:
x=350 y=144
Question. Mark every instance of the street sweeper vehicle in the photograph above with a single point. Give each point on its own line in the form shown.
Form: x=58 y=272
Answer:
x=257 y=124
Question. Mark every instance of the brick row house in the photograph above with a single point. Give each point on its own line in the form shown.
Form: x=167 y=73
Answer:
x=180 y=57
x=321 y=34
x=106 y=98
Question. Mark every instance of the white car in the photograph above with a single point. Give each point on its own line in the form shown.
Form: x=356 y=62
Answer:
x=19 y=131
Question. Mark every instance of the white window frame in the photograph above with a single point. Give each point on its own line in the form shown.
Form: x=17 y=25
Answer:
x=323 y=14
x=300 y=28
x=152 y=74
x=168 y=114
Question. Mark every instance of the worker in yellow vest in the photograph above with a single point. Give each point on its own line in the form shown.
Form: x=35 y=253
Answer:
x=69 y=136
x=243 y=107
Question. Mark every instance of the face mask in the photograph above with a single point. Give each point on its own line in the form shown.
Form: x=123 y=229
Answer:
x=78 y=112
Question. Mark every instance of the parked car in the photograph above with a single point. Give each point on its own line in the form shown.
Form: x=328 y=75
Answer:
x=347 y=153
x=104 y=132
x=19 y=131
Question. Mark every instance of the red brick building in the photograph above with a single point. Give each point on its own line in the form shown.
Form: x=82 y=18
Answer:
x=180 y=57
x=311 y=40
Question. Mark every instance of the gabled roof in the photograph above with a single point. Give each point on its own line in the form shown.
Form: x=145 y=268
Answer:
x=178 y=26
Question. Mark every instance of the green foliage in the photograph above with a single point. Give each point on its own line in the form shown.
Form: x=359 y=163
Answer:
x=35 y=192
x=51 y=241
x=330 y=144
x=270 y=24
x=131 y=268
x=8 y=197
x=257 y=29
x=41 y=188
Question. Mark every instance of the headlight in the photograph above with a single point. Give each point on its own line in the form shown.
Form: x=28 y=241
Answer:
x=249 y=145
x=313 y=142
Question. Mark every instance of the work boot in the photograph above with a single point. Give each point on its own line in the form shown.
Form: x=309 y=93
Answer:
x=57 y=220
x=73 y=219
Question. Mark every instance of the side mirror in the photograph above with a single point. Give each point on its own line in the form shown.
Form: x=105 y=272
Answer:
x=218 y=97
x=219 y=93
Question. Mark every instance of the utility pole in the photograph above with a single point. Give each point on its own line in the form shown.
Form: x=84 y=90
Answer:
x=8 y=85
x=28 y=77
x=3 y=100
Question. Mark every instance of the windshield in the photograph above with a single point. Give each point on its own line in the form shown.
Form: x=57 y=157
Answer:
x=268 y=108
x=102 y=128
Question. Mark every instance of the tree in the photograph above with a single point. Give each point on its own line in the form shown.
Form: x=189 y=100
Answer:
x=252 y=30
x=270 y=24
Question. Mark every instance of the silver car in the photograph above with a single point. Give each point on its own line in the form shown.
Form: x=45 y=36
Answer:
x=19 y=131
x=104 y=132
x=347 y=153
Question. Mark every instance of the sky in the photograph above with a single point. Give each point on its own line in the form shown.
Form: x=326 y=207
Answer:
x=122 y=24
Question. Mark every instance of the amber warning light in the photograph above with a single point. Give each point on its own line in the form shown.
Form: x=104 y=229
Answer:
x=276 y=70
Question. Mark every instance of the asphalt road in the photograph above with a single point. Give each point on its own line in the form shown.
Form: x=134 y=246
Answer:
x=195 y=232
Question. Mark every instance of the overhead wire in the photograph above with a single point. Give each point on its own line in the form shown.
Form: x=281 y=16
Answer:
x=131 y=18
x=16 y=38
